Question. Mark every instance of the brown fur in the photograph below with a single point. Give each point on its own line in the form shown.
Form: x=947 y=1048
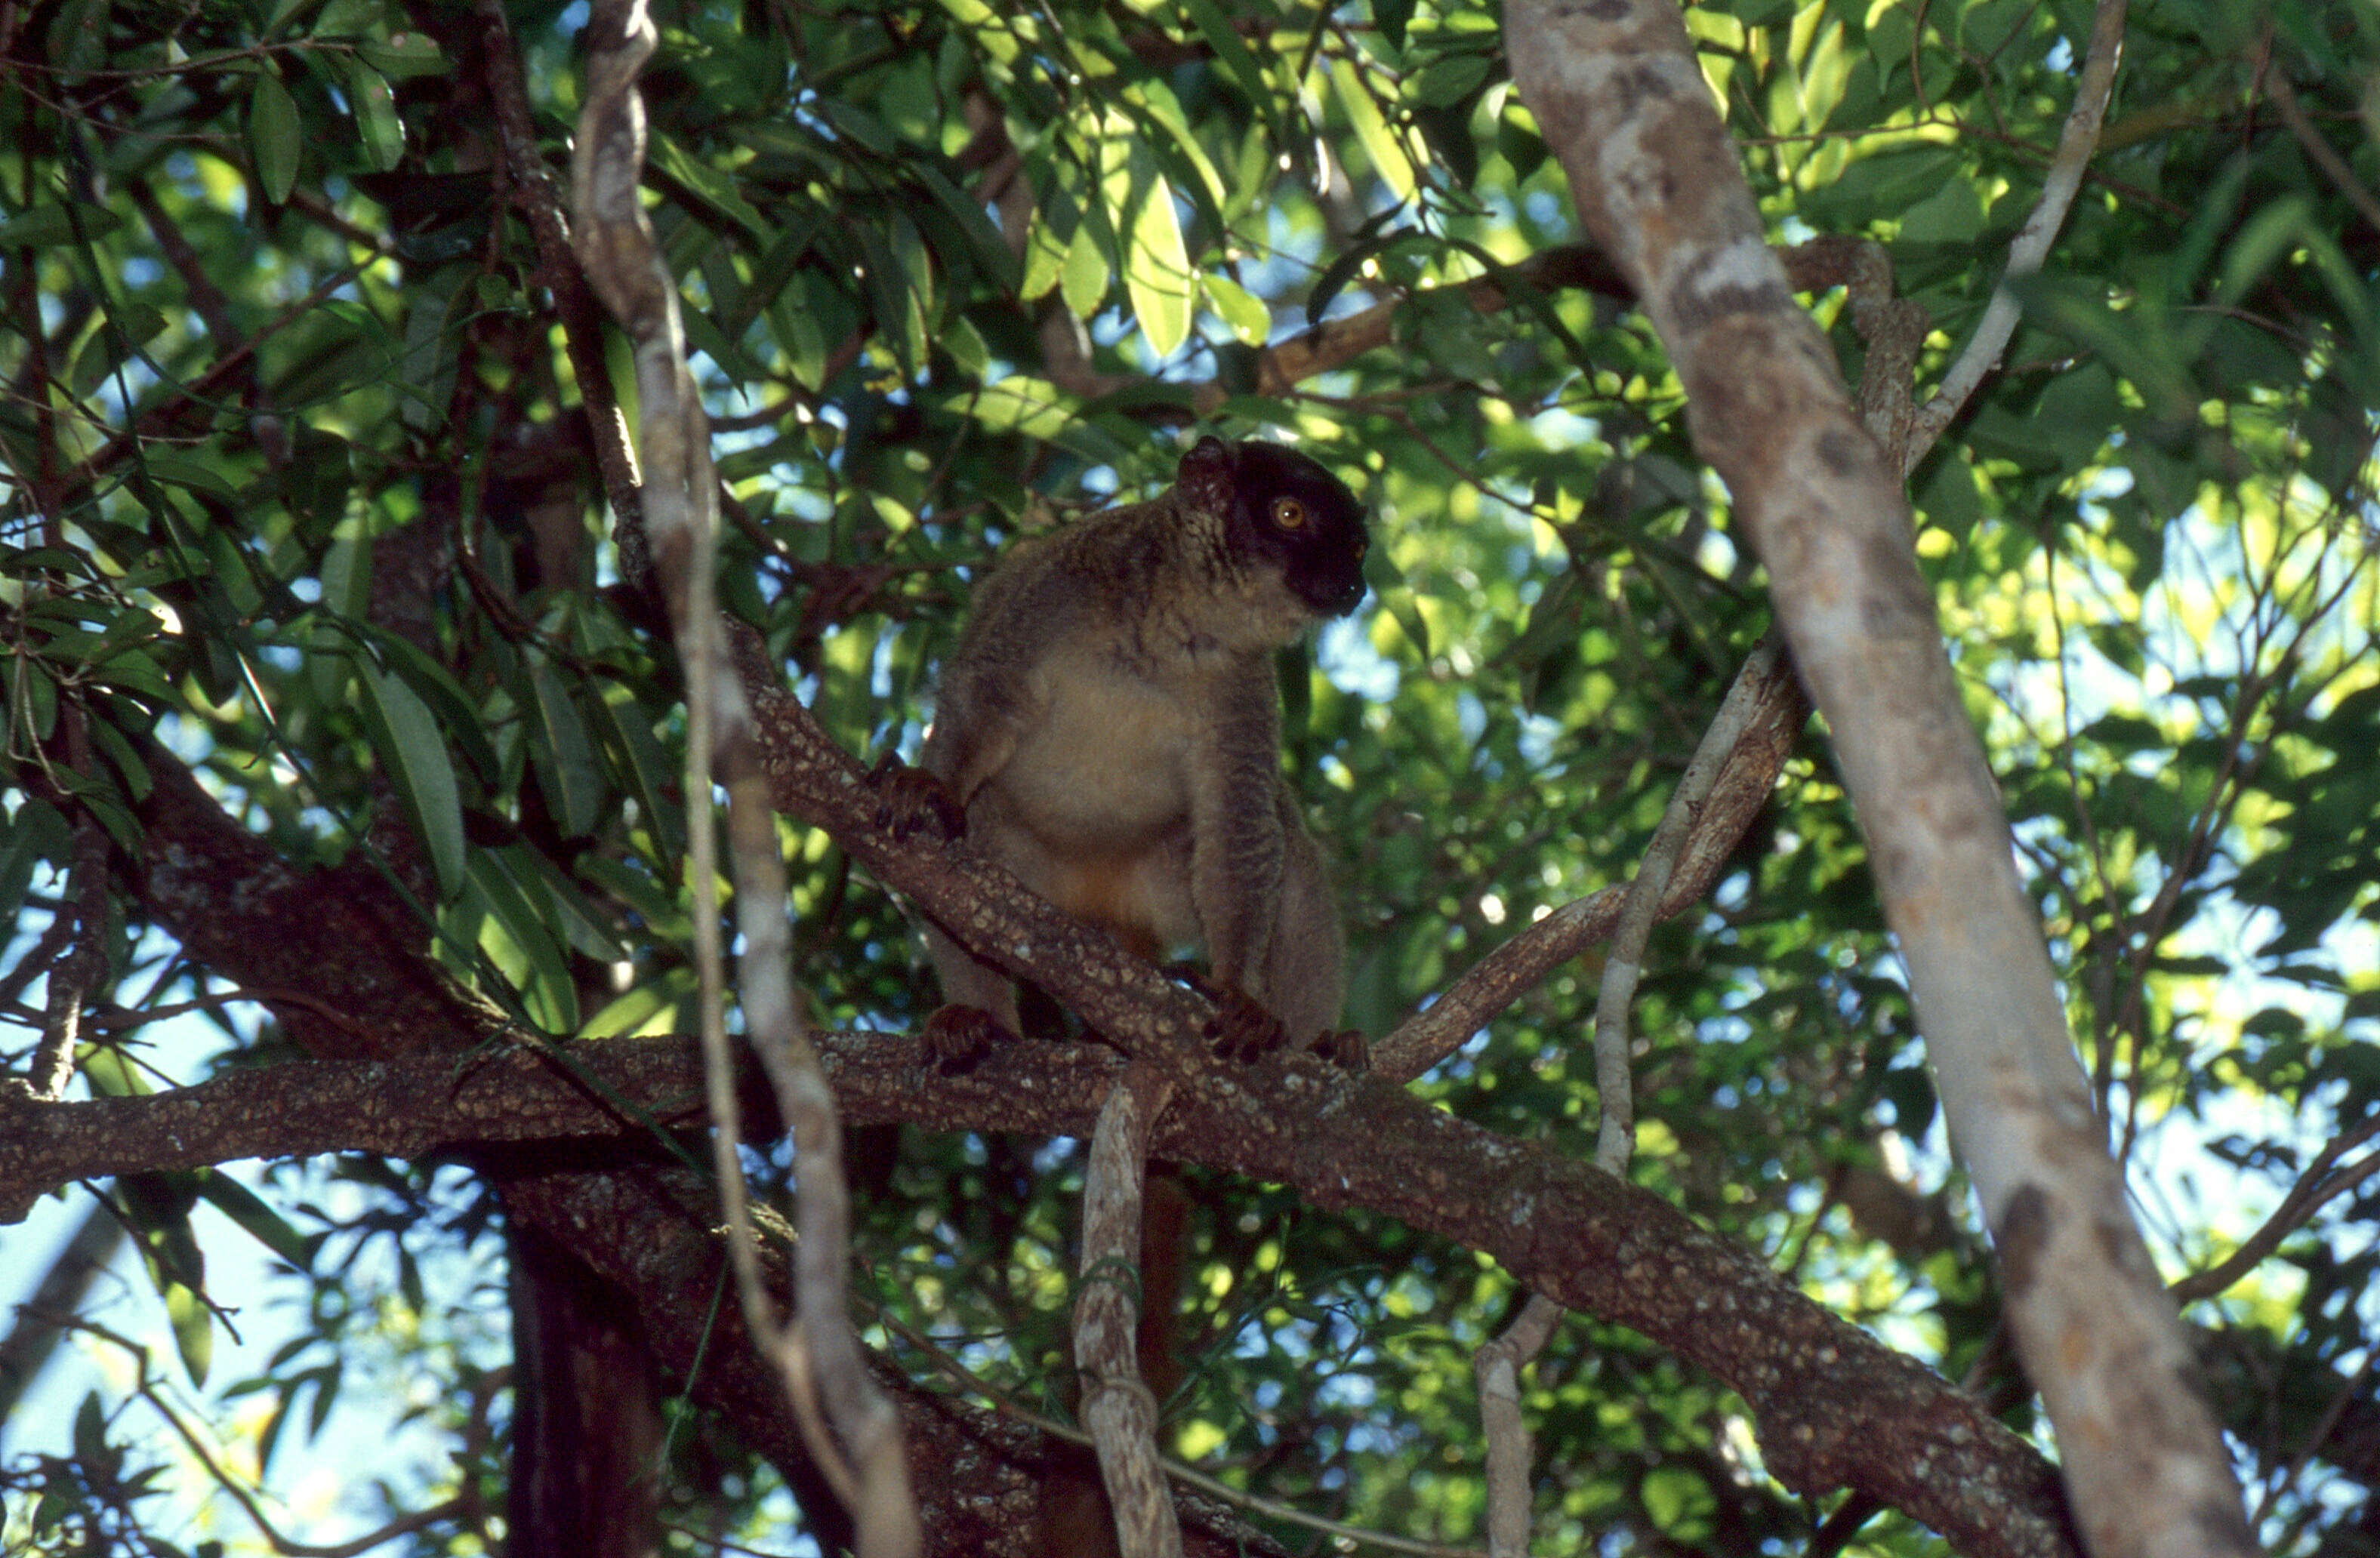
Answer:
x=1111 y=726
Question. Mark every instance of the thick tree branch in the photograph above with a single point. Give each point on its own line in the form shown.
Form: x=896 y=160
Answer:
x=1657 y=181
x=1834 y=1406
x=241 y=912
x=1365 y=1141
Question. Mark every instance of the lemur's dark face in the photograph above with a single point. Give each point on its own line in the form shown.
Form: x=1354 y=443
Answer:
x=1288 y=508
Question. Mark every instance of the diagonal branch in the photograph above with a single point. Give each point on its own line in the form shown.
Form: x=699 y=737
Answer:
x=1657 y=179
x=1833 y=1405
x=2031 y=246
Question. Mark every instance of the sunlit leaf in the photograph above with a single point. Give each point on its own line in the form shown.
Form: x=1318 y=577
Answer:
x=1245 y=312
x=1082 y=280
x=1381 y=145
x=1157 y=269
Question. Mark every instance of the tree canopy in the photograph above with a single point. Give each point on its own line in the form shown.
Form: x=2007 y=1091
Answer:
x=346 y=860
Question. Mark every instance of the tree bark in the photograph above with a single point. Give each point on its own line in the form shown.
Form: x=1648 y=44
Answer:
x=1621 y=101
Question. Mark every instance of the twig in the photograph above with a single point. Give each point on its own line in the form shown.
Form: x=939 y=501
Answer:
x=1117 y=1405
x=2325 y=156
x=2315 y=1186
x=460 y=1507
x=2031 y=246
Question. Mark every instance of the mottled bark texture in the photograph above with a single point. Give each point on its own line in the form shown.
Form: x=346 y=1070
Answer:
x=1621 y=101
x=1118 y=1407
x=402 y=1072
x=851 y=1429
x=1832 y=1406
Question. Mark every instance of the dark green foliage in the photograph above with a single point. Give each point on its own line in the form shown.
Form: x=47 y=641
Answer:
x=356 y=570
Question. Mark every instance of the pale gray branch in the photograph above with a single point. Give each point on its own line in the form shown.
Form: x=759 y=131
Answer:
x=2031 y=246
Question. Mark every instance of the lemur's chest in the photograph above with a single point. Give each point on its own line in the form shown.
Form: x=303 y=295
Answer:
x=1105 y=761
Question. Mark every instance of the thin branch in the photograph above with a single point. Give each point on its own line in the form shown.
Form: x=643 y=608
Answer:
x=2325 y=157
x=825 y=1374
x=1774 y=710
x=462 y=1507
x=1511 y=1446
x=74 y=976
x=2031 y=246
x=37 y=960
x=1117 y=1405
x=2317 y=1186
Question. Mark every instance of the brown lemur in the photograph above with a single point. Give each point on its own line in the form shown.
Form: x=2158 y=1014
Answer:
x=1109 y=727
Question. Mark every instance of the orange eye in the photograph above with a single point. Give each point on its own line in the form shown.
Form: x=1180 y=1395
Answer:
x=1289 y=514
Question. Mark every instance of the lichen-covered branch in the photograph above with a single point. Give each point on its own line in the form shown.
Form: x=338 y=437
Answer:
x=817 y=1349
x=1616 y=91
x=1832 y=1406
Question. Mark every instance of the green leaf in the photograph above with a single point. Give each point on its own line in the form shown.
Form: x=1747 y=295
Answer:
x=1022 y=403
x=1380 y=143
x=413 y=754
x=985 y=245
x=403 y=55
x=1679 y=1501
x=136 y=671
x=188 y=471
x=33 y=700
x=514 y=935
x=794 y=326
x=1242 y=309
x=716 y=193
x=1082 y=280
x=431 y=682
x=49 y=224
x=1448 y=79
x=240 y=1204
x=966 y=346
x=581 y=924
x=644 y=772
x=136 y=325
x=426 y=374
x=1157 y=268
x=1232 y=56
x=376 y=122
x=79 y=37
x=564 y=756
x=1953 y=214
x=274 y=136
x=90 y=1433
x=1045 y=257
x=653 y=1006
